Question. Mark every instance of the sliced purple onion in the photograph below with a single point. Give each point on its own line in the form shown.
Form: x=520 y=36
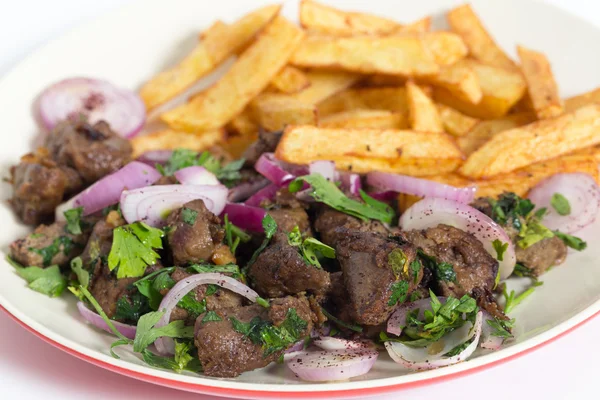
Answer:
x=246 y=217
x=153 y=204
x=165 y=345
x=154 y=157
x=273 y=170
x=265 y=194
x=333 y=343
x=126 y=330
x=582 y=193
x=351 y=182
x=385 y=196
x=244 y=190
x=489 y=341
x=96 y=100
x=431 y=212
x=323 y=330
x=196 y=175
x=335 y=365
x=422 y=358
x=420 y=187
x=107 y=190
x=397 y=321
x=325 y=168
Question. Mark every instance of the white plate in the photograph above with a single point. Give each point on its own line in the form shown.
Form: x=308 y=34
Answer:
x=131 y=45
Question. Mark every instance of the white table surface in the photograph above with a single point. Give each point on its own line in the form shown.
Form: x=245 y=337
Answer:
x=29 y=368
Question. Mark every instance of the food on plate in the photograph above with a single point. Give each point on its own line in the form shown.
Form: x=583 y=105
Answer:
x=538 y=141
x=216 y=45
x=543 y=91
x=352 y=185
x=422 y=112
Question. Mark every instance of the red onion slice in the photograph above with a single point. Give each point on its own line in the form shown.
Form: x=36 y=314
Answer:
x=272 y=169
x=335 y=365
x=421 y=359
x=154 y=157
x=431 y=212
x=165 y=345
x=266 y=193
x=97 y=100
x=420 y=187
x=351 y=182
x=126 y=330
x=244 y=190
x=246 y=217
x=583 y=194
x=489 y=341
x=397 y=320
x=325 y=168
x=196 y=175
x=107 y=190
x=153 y=204
x=333 y=343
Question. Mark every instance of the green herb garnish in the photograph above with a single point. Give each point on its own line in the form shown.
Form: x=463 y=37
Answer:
x=560 y=204
x=399 y=293
x=189 y=216
x=500 y=249
x=234 y=235
x=269 y=227
x=48 y=281
x=133 y=249
x=572 y=241
x=443 y=271
x=73 y=217
x=181 y=158
x=61 y=243
x=310 y=248
x=339 y=322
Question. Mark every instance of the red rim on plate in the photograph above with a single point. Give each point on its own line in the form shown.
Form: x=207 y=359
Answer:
x=260 y=394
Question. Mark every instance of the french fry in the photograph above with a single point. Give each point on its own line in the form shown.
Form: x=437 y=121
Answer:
x=536 y=142
x=482 y=47
x=542 y=87
x=290 y=80
x=582 y=100
x=422 y=113
x=274 y=111
x=218 y=43
x=501 y=90
x=236 y=145
x=169 y=139
x=419 y=26
x=455 y=122
x=388 y=98
x=248 y=76
x=446 y=47
x=460 y=80
x=244 y=124
x=324 y=84
x=319 y=18
x=364 y=150
x=397 y=55
x=485 y=130
x=360 y=119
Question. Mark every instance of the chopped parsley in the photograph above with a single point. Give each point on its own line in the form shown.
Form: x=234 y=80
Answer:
x=310 y=248
x=189 y=216
x=510 y=209
x=500 y=249
x=443 y=271
x=399 y=293
x=459 y=349
x=61 y=243
x=269 y=227
x=327 y=192
x=234 y=235
x=131 y=307
x=191 y=305
x=183 y=358
x=73 y=217
x=560 y=204
x=133 y=249
x=415 y=268
x=211 y=316
x=501 y=328
x=524 y=272
x=83 y=276
x=572 y=241
x=416 y=295
x=48 y=281
x=398 y=263
x=339 y=322
x=532 y=231
x=272 y=338
x=512 y=299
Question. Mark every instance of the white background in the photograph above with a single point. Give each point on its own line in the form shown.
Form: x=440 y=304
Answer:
x=29 y=368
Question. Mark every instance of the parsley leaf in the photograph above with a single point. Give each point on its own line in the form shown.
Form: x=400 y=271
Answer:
x=132 y=249
x=510 y=209
x=189 y=216
x=500 y=249
x=61 y=243
x=532 y=232
x=83 y=276
x=458 y=349
x=327 y=192
x=339 y=322
x=188 y=364
x=234 y=235
x=560 y=204
x=398 y=263
x=191 y=305
x=146 y=333
x=270 y=227
x=48 y=281
x=501 y=328
x=131 y=307
x=73 y=217
x=183 y=359
x=310 y=248
x=572 y=241
x=211 y=316
x=182 y=158
x=443 y=271
x=415 y=267
x=512 y=300
x=399 y=293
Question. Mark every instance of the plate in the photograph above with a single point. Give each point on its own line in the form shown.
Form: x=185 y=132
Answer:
x=132 y=44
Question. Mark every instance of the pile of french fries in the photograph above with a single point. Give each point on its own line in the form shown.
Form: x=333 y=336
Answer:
x=373 y=94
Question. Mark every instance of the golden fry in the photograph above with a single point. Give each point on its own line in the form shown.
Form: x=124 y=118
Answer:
x=388 y=98
x=419 y=26
x=169 y=139
x=501 y=90
x=244 y=124
x=218 y=42
x=397 y=55
x=319 y=18
x=248 y=76
x=482 y=47
x=275 y=111
x=539 y=141
x=455 y=122
x=290 y=80
x=446 y=47
x=460 y=80
x=422 y=112
x=236 y=145
x=324 y=84
x=360 y=119
x=582 y=100
x=542 y=87
x=364 y=150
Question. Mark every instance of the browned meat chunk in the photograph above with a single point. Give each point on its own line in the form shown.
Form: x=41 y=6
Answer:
x=225 y=352
x=542 y=255
x=377 y=273
x=289 y=218
x=49 y=245
x=194 y=233
x=280 y=270
x=328 y=220
x=267 y=143
x=473 y=265
x=94 y=151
